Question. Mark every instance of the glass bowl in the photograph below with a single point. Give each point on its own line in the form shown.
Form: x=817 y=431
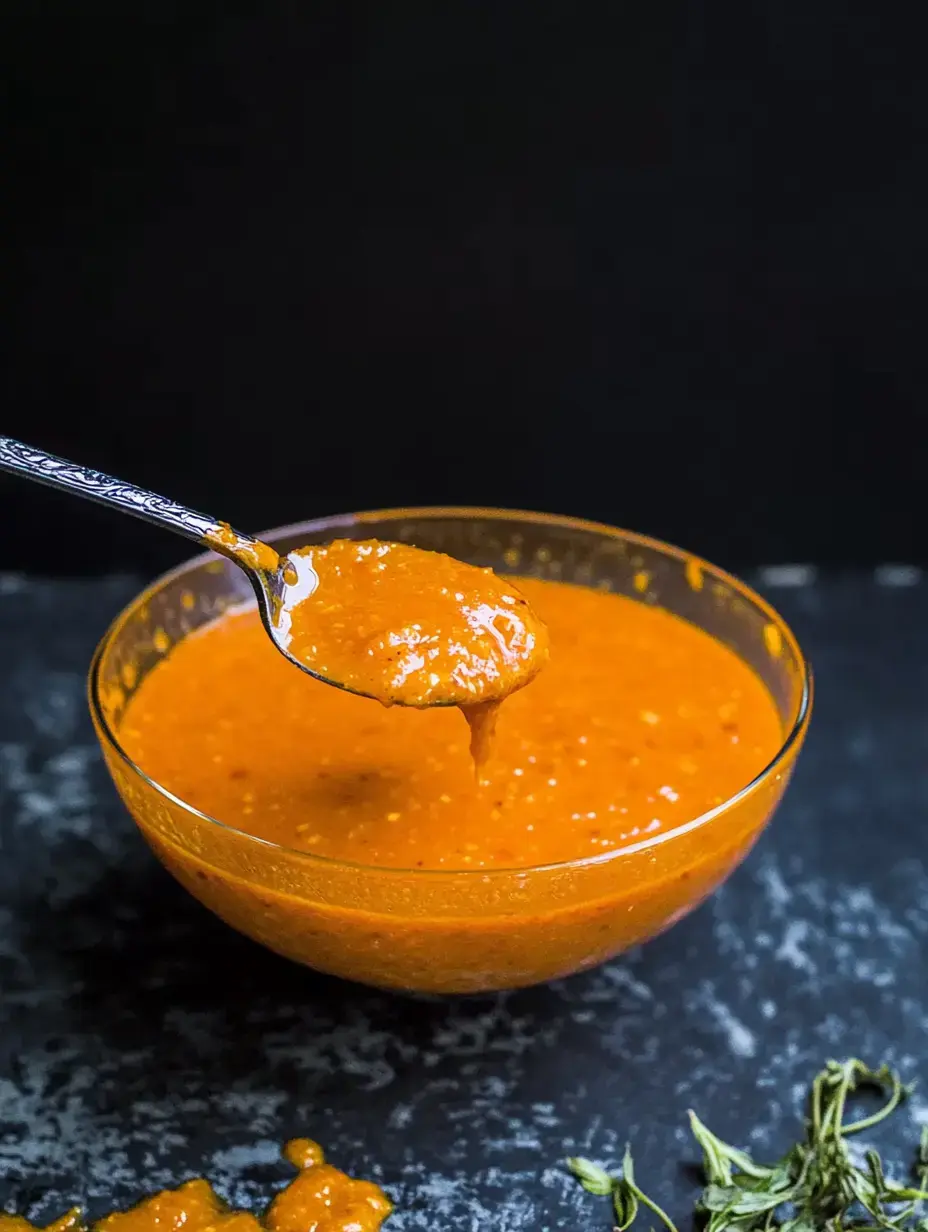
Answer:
x=471 y=930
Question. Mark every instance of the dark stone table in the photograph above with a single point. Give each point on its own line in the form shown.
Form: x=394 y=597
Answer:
x=141 y=1041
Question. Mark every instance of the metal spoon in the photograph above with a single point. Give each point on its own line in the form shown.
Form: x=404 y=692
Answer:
x=275 y=581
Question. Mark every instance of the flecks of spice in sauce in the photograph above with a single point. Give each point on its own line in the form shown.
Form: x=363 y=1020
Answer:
x=319 y=1199
x=412 y=628
x=640 y=723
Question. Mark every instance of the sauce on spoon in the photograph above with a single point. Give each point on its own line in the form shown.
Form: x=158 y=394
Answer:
x=411 y=628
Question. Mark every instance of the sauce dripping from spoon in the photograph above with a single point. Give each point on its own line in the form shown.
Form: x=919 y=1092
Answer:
x=386 y=620
x=410 y=627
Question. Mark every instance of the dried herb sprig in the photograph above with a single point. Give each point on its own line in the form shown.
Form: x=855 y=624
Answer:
x=816 y=1187
x=627 y=1197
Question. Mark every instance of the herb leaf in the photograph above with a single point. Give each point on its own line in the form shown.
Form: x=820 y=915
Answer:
x=595 y=1180
x=638 y=1195
x=625 y=1204
x=718 y=1156
x=816 y=1187
x=627 y=1197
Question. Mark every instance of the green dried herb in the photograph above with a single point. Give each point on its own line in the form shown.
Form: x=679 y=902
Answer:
x=816 y=1187
x=626 y=1195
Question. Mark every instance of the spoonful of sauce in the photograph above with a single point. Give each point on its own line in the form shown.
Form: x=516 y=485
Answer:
x=388 y=621
x=411 y=628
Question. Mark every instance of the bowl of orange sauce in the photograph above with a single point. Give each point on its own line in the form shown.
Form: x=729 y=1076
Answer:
x=625 y=782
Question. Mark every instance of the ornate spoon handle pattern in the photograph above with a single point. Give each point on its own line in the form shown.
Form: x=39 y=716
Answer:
x=83 y=481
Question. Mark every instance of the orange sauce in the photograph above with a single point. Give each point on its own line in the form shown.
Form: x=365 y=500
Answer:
x=639 y=723
x=320 y=1199
x=412 y=628
x=251 y=552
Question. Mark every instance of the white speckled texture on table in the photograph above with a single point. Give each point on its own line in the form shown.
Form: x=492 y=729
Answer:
x=142 y=1042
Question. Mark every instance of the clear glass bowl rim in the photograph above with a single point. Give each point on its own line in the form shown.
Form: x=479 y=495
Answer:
x=469 y=512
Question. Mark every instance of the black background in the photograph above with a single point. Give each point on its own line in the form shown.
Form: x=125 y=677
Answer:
x=662 y=265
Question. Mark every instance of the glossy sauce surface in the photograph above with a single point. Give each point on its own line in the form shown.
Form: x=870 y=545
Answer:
x=409 y=627
x=320 y=1199
x=639 y=723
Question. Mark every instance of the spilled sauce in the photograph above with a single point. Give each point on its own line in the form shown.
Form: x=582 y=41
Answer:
x=319 y=1199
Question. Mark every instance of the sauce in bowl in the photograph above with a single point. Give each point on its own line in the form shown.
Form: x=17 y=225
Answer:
x=638 y=723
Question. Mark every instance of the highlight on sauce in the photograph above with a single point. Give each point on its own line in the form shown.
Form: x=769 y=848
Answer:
x=409 y=627
x=413 y=628
x=320 y=1199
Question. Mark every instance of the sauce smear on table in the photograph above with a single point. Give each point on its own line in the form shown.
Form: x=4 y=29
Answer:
x=320 y=1199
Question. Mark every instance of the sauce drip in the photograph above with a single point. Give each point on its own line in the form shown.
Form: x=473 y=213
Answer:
x=412 y=628
x=320 y=1199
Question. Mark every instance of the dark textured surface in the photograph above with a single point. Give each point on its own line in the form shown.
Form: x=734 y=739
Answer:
x=142 y=1042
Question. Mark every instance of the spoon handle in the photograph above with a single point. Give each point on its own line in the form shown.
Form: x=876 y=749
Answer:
x=21 y=459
